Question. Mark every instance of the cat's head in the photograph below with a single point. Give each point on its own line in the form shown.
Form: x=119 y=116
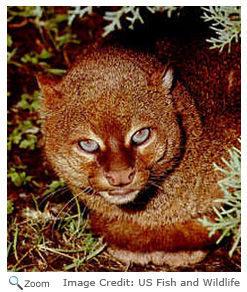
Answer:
x=110 y=124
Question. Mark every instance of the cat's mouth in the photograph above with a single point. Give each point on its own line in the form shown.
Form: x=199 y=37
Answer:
x=120 y=192
x=119 y=196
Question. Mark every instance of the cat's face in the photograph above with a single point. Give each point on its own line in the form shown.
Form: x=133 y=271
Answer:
x=111 y=135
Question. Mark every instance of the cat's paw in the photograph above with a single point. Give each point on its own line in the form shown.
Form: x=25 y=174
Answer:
x=173 y=259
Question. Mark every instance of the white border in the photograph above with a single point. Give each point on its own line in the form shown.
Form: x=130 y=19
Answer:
x=56 y=279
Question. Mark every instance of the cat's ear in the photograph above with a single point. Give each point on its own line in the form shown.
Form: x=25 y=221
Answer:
x=51 y=97
x=164 y=77
x=167 y=78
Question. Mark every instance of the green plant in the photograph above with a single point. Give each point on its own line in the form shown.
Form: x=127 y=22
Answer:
x=35 y=58
x=78 y=11
x=24 y=135
x=9 y=40
x=228 y=220
x=29 y=241
x=79 y=244
x=54 y=186
x=18 y=176
x=23 y=11
x=29 y=102
x=129 y=13
x=226 y=22
x=49 y=30
x=10 y=207
x=11 y=57
x=46 y=22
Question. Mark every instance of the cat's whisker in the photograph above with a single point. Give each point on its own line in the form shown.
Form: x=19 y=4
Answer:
x=74 y=198
x=53 y=194
x=155 y=176
x=155 y=180
x=58 y=215
x=86 y=190
x=152 y=183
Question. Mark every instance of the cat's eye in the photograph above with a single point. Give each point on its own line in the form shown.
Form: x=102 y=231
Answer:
x=89 y=146
x=141 y=136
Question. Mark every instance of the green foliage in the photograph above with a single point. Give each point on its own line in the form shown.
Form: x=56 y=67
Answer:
x=54 y=185
x=76 y=244
x=18 y=176
x=226 y=22
x=46 y=22
x=129 y=13
x=9 y=40
x=168 y=9
x=52 y=35
x=10 y=207
x=65 y=39
x=35 y=58
x=29 y=102
x=11 y=58
x=23 y=11
x=56 y=71
x=78 y=11
x=228 y=219
x=80 y=244
x=24 y=135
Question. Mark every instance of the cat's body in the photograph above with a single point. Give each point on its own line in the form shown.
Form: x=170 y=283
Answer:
x=130 y=144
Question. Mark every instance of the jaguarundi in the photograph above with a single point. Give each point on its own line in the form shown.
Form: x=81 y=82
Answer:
x=130 y=143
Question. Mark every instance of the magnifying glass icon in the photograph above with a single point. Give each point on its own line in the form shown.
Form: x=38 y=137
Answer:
x=13 y=280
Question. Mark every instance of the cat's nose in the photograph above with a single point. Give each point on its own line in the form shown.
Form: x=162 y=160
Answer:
x=120 y=177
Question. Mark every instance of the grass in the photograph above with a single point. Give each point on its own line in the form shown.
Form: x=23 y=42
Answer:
x=57 y=231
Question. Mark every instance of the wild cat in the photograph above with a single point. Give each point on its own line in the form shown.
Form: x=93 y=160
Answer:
x=129 y=142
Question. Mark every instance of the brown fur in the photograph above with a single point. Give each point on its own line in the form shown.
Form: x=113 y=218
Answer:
x=136 y=238
x=108 y=93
